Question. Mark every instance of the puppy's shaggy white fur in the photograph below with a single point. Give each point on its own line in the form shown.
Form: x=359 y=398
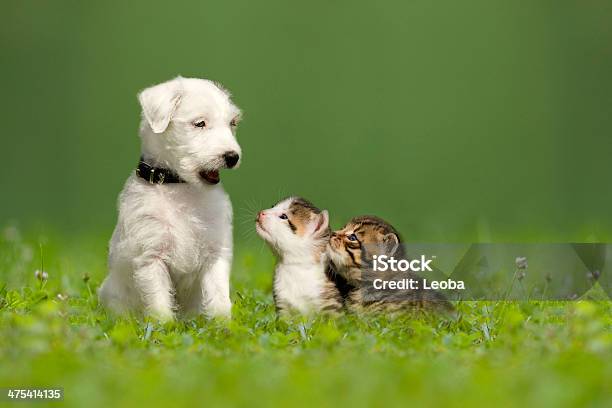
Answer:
x=171 y=250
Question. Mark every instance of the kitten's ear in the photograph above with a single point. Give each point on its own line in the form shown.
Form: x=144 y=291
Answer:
x=321 y=223
x=391 y=243
x=159 y=103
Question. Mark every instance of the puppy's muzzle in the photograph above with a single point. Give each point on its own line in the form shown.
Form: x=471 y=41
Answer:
x=231 y=158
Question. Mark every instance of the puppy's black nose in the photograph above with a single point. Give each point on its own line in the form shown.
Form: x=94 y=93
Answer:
x=231 y=158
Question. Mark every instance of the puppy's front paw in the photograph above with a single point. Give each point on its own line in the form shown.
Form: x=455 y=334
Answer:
x=161 y=314
x=218 y=308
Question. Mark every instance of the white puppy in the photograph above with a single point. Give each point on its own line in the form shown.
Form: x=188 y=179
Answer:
x=171 y=250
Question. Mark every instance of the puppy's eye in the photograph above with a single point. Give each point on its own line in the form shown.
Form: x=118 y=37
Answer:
x=200 y=124
x=352 y=237
x=283 y=216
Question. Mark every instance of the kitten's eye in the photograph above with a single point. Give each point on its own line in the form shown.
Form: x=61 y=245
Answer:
x=283 y=216
x=234 y=122
x=352 y=237
x=200 y=124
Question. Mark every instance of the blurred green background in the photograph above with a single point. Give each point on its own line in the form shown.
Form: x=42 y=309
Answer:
x=457 y=121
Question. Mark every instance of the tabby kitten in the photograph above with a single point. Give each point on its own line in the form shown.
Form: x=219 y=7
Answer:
x=298 y=233
x=351 y=251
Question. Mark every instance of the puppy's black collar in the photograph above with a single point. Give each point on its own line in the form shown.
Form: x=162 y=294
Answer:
x=156 y=175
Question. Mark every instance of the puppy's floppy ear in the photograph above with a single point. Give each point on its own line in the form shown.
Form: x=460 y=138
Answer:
x=321 y=223
x=159 y=103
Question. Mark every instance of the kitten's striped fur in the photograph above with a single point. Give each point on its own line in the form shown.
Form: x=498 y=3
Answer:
x=351 y=249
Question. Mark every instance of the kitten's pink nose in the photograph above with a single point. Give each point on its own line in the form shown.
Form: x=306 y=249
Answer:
x=260 y=215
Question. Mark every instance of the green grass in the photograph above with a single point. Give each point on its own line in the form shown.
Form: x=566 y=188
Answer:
x=493 y=354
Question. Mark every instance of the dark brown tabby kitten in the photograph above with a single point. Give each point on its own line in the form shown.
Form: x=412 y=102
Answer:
x=351 y=251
